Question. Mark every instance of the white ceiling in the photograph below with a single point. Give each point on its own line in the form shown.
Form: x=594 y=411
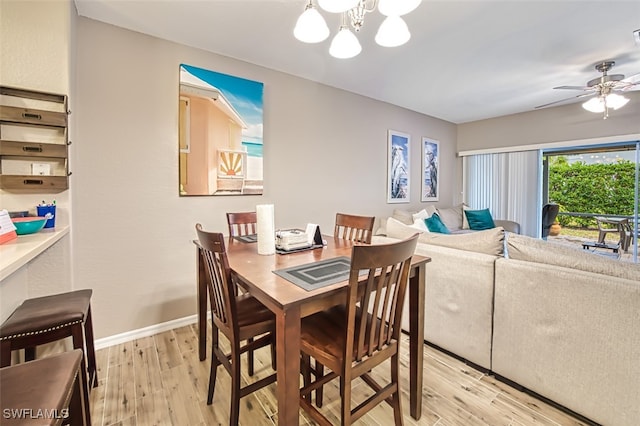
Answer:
x=466 y=60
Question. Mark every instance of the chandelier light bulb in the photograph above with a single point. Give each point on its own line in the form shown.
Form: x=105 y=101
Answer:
x=337 y=6
x=397 y=7
x=345 y=44
x=393 y=32
x=311 y=26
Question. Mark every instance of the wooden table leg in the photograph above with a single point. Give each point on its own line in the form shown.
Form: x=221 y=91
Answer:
x=202 y=307
x=416 y=340
x=288 y=363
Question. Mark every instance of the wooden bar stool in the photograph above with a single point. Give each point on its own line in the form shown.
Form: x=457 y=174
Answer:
x=48 y=319
x=48 y=391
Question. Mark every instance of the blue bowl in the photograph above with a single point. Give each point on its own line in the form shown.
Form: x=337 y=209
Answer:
x=28 y=225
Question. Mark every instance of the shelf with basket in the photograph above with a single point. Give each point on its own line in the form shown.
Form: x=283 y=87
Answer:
x=34 y=141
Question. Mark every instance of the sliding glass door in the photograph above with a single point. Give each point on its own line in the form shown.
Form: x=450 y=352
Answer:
x=596 y=188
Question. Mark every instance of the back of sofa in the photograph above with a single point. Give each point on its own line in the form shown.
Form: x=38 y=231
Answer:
x=458 y=300
x=572 y=336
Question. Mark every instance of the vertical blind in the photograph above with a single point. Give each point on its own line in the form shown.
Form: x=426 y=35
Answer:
x=508 y=184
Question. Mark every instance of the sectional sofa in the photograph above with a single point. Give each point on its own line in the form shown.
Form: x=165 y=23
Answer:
x=558 y=321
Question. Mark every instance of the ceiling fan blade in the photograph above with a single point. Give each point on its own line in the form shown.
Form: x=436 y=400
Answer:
x=634 y=79
x=574 y=87
x=630 y=83
x=564 y=100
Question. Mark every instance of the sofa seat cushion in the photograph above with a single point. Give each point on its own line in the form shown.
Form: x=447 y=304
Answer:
x=530 y=249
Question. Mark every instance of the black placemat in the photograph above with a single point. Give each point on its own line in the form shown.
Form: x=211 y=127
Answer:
x=311 y=276
x=251 y=238
x=297 y=250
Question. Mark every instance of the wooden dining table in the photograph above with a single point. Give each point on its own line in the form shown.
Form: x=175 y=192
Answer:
x=290 y=303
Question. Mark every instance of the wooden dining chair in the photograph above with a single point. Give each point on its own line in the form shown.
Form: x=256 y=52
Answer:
x=354 y=228
x=244 y=223
x=350 y=340
x=238 y=317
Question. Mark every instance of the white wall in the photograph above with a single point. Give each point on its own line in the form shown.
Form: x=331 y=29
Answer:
x=325 y=151
x=36 y=39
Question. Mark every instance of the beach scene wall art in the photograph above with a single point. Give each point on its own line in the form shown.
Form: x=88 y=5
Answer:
x=220 y=134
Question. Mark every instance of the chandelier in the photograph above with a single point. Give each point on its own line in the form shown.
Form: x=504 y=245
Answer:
x=312 y=28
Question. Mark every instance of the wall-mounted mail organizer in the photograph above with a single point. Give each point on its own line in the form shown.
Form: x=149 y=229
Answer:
x=34 y=141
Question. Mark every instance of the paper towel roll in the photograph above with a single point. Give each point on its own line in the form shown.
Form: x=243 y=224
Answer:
x=266 y=229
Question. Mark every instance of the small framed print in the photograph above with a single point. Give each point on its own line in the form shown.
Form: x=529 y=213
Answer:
x=398 y=176
x=430 y=165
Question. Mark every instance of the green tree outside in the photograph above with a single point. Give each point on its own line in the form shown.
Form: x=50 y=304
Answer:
x=601 y=189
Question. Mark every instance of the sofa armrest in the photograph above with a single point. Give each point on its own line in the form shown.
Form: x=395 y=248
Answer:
x=508 y=225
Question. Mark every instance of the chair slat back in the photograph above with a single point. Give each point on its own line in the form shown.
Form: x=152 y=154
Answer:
x=220 y=284
x=382 y=294
x=244 y=223
x=354 y=228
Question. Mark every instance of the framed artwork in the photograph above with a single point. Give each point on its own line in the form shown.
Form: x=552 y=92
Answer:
x=430 y=164
x=220 y=134
x=398 y=181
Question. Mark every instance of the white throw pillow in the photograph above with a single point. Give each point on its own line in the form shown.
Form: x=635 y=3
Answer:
x=422 y=214
x=420 y=225
x=465 y=221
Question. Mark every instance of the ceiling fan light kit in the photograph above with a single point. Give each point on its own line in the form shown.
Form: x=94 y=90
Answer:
x=603 y=89
x=312 y=28
x=603 y=103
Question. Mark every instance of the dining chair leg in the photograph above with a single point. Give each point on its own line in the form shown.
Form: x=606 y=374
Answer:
x=214 y=366
x=345 y=398
x=273 y=356
x=319 y=373
x=395 y=378
x=250 y=358
x=235 y=389
x=305 y=370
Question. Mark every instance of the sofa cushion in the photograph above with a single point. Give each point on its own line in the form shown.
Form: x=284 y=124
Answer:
x=465 y=222
x=531 y=249
x=434 y=224
x=479 y=219
x=488 y=242
x=452 y=217
x=404 y=216
x=397 y=229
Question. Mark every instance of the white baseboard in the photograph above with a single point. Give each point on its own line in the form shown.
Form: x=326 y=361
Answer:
x=144 y=332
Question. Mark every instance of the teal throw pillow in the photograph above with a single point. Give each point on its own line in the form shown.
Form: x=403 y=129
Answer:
x=479 y=219
x=435 y=224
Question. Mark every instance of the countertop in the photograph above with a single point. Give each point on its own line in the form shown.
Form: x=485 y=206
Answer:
x=20 y=251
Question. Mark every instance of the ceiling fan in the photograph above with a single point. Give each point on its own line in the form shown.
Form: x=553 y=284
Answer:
x=602 y=90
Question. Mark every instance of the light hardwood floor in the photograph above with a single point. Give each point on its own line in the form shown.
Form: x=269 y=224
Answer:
x=159 y=380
